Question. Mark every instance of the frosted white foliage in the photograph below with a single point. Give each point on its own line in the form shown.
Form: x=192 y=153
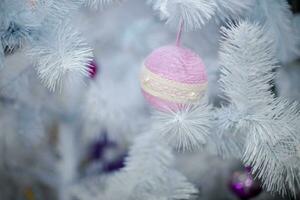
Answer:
x=229 y=140
x=27 y=22
x=57 y=9
x=61 y=56
x=173 y=186
x=194 y=13
x=185 y=129
x=26 y=152
x=95 y=4
x=150 y=155
x=14 y=37
x=268 y=125
x=247 y=62
x=278 y=17
x=16 y=22
x=230 y=9
x=18 y=12
x=21 y=20
x=273 y=148
x=148 y=175
x=102 y=111
x=89 y=188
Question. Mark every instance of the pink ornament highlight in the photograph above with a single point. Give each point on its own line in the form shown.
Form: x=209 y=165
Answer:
x=173 y=77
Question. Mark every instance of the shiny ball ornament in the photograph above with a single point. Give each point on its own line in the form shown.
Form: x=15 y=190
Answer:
x=172 y=78
x=243 y=185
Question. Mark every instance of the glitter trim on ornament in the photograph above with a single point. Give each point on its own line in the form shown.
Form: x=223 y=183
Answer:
x=170 y=90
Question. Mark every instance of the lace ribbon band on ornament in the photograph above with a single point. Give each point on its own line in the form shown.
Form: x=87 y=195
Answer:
x=170 y=90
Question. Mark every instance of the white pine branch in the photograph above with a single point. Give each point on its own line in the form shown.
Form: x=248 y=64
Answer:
x=148 y=175
x=266 y=123
x=228 y=139
x=184 y=129
x=89 y=188
x=61 y=56
x=194 y=13
x=148 y=172
x=56 y=10
x=277 y=16
x=273 y=147
x=172 y=185
x=247 y=62
x=14 y=37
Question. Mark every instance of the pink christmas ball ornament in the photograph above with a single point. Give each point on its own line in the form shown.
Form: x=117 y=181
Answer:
x=173 y=77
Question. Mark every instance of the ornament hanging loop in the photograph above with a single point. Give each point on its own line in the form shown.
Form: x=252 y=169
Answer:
x=179 y=33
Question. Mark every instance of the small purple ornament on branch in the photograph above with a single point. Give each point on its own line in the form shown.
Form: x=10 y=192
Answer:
x=109 y=153
x=93 y=69
x=243 y=185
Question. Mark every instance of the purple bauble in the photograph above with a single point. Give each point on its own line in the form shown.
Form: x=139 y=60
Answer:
x=109 y=153
x=243 y=185
x=99 y=147
x=93 y=69
x=115 y=165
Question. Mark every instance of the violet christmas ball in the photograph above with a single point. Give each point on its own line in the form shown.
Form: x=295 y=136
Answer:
x=93 y=69
x=173 y=77
x=243 y=185
x=109 y=153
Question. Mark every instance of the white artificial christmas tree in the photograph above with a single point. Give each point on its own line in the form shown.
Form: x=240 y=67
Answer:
x=52 y=112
